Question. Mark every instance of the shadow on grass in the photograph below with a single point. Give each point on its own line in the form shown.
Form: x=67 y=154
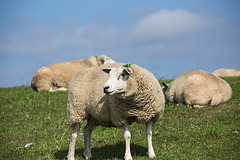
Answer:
x=107 y=152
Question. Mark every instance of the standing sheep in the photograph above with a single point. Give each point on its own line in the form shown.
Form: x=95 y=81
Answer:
x=227 y=72
x=56 y=77
x=197 y=88
x=132 y=94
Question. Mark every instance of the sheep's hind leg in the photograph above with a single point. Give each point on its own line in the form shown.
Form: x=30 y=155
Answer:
x=151 y=153
x=197 y=106
x=87 y=138
x=74 y=135
x=62 y=89
x=52 y=89
x=127 y=136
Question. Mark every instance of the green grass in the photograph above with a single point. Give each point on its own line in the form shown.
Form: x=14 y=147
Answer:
x=182 y=133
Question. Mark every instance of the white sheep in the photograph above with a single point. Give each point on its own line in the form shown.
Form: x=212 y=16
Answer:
x=197 y=89
x=125 y=95
x=227 y=72
x=56 y=77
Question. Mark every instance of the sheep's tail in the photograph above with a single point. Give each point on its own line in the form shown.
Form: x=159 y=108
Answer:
x=42 y=80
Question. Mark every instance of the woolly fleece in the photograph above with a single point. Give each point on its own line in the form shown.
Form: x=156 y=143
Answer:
x=59 y=75
x=142 y=102
x=198 y=88
x=227 y=72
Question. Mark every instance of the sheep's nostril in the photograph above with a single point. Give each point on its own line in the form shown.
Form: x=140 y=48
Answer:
x=105 y=89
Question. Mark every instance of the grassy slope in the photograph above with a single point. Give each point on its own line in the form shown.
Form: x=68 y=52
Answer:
x=182 y=133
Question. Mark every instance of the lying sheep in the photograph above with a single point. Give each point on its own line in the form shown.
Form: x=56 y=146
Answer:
x=132 y=94
x=197 y=88
x=56 y=77
x=227 y=72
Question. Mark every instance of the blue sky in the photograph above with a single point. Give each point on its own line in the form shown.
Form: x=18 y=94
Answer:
x=167 y=37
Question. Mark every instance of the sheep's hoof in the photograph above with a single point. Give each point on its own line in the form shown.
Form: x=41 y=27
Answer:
x=152 y=155
x=88 y=156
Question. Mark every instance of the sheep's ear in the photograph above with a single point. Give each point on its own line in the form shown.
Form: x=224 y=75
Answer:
x=128 y=70
x=106 y=70
x=165 y=84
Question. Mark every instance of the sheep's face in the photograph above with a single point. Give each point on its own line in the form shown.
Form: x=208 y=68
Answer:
x=117 y=82
x=165 y=89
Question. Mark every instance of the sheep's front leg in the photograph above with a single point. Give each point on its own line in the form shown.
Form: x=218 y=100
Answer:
x=127 y=136
x=74 y=135
x=87 y=138
x=151 y=153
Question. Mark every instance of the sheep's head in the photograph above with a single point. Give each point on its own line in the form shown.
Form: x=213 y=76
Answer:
x=165 y=89
x=105 y=59
x=117 y=82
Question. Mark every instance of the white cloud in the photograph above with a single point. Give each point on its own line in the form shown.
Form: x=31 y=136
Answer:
x=165 y=24
x=39 y=40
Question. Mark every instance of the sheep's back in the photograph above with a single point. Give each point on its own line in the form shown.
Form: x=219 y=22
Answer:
x=227 y=72
x=204 y=88
x=177 y=86
x=64 y=72
x=42 y=79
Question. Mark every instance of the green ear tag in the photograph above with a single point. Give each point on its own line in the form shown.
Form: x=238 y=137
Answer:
x=128 y=65
x=96 y=56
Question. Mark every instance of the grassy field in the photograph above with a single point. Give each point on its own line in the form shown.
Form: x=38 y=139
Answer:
x=183 y=133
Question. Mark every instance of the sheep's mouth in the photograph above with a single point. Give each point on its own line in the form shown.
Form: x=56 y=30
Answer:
x=113 y=91
x=120 y=90
x=109 y=93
